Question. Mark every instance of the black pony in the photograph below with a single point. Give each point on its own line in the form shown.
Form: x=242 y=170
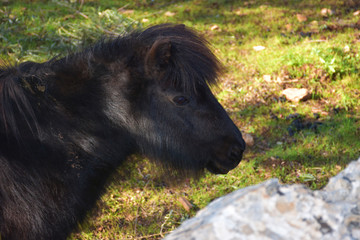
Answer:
x=67 y=124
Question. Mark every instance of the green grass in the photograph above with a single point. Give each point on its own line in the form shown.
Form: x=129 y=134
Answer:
x=320 y=54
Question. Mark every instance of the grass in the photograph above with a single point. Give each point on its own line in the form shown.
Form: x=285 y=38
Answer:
x=320 y=54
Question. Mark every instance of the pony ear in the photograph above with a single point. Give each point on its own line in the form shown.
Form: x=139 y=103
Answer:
x=158 y=58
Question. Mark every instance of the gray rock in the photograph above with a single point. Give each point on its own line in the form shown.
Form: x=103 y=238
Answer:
x=296 y=94
x=273 y=211
x=249 y=139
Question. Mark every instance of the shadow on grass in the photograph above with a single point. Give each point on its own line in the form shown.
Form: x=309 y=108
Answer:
x=289 y=148
x=334 y=138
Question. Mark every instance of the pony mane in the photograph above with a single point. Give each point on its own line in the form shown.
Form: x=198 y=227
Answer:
x=191 y=65
x=16 y=111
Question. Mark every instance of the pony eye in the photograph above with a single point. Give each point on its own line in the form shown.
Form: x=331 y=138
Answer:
x=180 y=100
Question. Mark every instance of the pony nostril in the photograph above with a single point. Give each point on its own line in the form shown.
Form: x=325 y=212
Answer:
x=235 y=152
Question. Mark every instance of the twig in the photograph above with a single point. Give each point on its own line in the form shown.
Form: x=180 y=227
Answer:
x=185 y=203
x=74 y=9
x=68 y=33
x=81 y=3
x=123 y=7
x=136 y=220
x=82 y=14
x=162 y=225
x=142 y=175
x=111 y=33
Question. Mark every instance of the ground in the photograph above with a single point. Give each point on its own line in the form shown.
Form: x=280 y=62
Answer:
x=266 y=47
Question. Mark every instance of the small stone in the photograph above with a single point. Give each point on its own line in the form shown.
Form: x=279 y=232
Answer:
x=267 y=78
x=296 y=94
x=325 y=12
x=214 y=27
x=169 y=14
x=258 y=48
x=249 y=140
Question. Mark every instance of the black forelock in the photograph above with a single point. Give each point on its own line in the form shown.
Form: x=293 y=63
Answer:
x=192 y=63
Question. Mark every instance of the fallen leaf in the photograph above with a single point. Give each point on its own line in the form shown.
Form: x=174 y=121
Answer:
x=301 y=18
x=185 y=203
x=319 y=111
x=129 y=217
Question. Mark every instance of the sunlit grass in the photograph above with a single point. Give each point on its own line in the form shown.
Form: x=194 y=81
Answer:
x=320 y=54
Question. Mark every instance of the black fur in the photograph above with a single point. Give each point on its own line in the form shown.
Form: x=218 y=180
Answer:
x=67 y=124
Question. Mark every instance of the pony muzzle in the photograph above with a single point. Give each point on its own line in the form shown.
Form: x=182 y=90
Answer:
x=226 y=158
